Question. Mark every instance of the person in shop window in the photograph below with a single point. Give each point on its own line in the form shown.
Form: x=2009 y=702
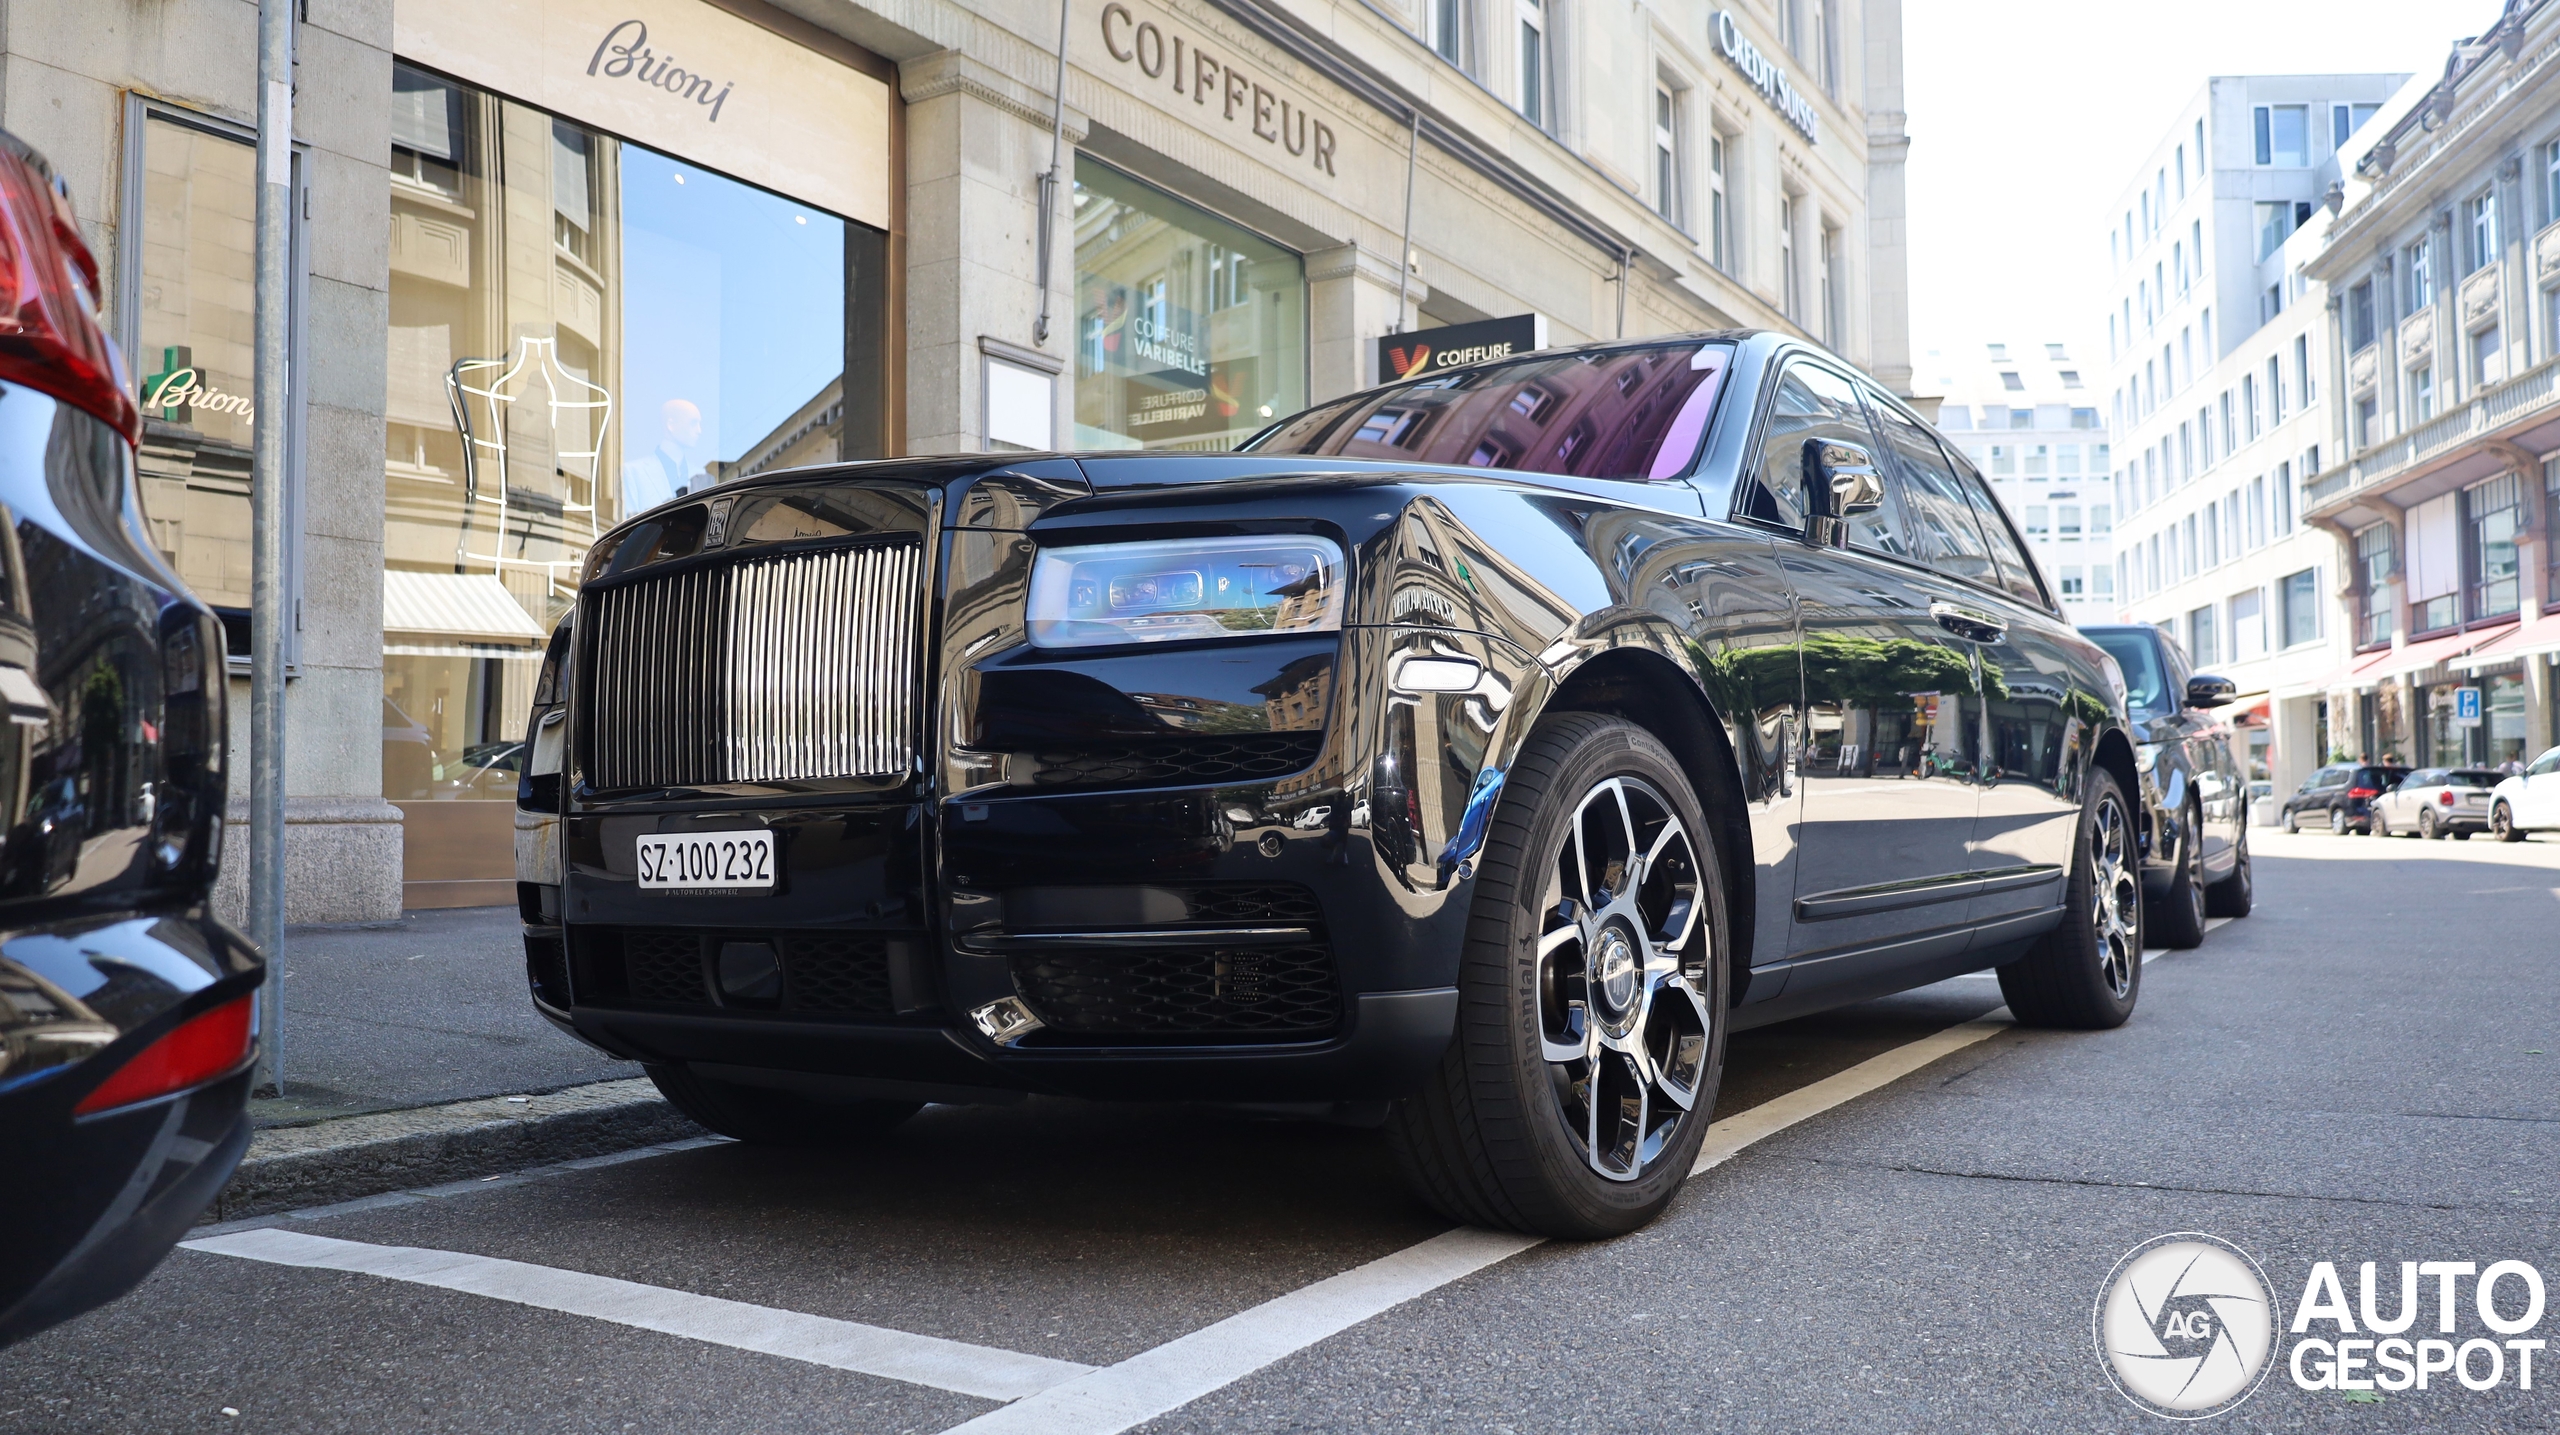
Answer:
x=667 y=470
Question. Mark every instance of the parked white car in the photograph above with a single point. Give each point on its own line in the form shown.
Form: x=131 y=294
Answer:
x=2528 y=801
x=2437 y=802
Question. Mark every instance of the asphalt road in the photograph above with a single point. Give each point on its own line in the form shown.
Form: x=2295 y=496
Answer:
x=2363 y=1070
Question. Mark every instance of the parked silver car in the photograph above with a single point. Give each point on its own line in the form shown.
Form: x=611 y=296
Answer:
x=2435 y=802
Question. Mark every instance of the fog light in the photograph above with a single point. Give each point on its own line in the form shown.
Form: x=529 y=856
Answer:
x=750 y=972
x=1006 y=1021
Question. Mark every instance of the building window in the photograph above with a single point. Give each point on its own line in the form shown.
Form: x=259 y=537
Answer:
x=1719 y=218
x=2345 y=120
x=2004 y=460
x=2258 y=511
x=2249 y=407
x=2248 y=626
x=2072 y=583
x=2434 y=564
x=1190 y=332
x=2066 y=522
x=1787 y=290
x=2496 y=520
x=2422 y=393
x=2102 y=581
x=2482 y=215
x=2084 y=418
x=1449 y=31
x=2376 y=556
x=2368 y=419
x=580 y=329
x=2283 y=517
x=2101 y=521
x=1830 y=279
x=2550 y=516
x=2414 y=262
x=2305 y=390
x=2200 y=636
x=2298 y=594
x=2284 y=135
x=2359 y=315
x=2039 y=460
x=2037 y=520
x=2275 y=392
x=1826 y=33
x=2188 y=548
x=1666 y=153
x=2487 y=367
x=2066 y=458
x=1533 y=60
x=194 y=351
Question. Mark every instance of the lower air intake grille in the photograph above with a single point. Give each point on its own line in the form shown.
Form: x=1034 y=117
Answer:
x=781 y=669
x=1172 y=762
x=823 y=973
x=1277 y=993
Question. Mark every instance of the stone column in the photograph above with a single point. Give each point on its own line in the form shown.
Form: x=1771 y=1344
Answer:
x=1888 y=211
x=1351 y=304
x=977 y=141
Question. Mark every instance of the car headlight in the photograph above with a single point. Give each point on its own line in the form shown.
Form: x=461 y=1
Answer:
x=1170 y=589
x=2145 y=754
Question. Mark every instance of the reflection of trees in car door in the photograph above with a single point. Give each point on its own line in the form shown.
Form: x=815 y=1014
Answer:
x=1889 y=719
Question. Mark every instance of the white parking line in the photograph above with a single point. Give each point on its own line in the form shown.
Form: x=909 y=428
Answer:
x=842 y=1344
x=2149 y=954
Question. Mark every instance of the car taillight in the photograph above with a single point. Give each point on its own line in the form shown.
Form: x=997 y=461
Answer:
x=203 y=1047
x=2445 y=797
x=2364 y=792
x=50 y=339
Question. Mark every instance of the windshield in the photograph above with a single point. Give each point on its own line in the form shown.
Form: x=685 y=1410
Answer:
x=1617 y=413
x=2146 y=687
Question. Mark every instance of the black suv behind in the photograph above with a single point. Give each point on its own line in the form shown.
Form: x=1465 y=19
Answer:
x=2341 y=795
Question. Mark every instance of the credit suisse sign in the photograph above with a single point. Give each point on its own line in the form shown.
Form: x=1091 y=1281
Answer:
x=1764 y=75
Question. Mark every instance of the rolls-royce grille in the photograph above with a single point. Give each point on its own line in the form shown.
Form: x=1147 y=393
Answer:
x=782 y=669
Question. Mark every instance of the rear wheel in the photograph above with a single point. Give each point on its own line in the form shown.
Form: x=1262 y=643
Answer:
x=2180 y=918
x=767 y=1117
x=2427 y=829
x=2087 y=972
x=2235 y=894
x=2502 y=824
x=1590 y=1037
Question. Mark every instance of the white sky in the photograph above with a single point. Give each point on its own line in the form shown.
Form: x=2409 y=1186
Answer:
x=2028 y=116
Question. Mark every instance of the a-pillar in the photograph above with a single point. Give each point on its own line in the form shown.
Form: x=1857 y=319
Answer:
x=1351 y=304
x=977 y=142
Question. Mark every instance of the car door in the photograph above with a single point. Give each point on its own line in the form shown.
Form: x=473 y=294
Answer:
x=2541 y=804
x=1891 y=718
x=2040 y=708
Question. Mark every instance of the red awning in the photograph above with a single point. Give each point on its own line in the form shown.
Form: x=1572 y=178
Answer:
x=2542 y=635
x=2393 y=662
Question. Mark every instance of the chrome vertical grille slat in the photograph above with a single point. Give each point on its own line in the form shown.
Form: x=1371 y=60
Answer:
x=793 y=668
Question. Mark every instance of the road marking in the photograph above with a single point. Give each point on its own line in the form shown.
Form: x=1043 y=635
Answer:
x=1767 y=1119
x=841 y=1344
x=1182 y=1370
x=2149 y=954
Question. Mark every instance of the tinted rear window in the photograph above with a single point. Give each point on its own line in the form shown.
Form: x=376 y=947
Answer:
x=2379 y=776
x=2475 y=777
x=1620 y=413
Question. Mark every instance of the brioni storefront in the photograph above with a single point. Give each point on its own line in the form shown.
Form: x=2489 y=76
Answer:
x=557 y=261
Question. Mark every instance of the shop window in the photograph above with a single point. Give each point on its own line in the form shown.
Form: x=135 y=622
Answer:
x=1190 y=332
x=194 y=333
x=2495 y=519
x=581 y=328
x=2502 y=714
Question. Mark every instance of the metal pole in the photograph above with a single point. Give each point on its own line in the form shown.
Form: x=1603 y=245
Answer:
x=1623 y=258
x=266 y=521
x=1049 y=180
x=1404 y=250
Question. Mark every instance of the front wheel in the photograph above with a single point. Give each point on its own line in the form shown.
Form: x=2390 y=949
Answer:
x=2502 y=824
x=2337 y=822
x=2181 y=923
x=1590 y=1041
x=2377 y=825
x=2087 y=972
x=765 y=1117
x=2292 y=823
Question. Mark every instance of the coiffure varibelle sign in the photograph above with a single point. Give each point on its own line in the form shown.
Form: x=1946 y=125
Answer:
x=1765 y=76
x=1174 y=62
x=679 y=76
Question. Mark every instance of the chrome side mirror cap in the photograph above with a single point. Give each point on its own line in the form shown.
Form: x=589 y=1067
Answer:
x=1841 y=482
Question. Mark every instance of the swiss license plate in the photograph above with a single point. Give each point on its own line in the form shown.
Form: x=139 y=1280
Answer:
x=707 y=861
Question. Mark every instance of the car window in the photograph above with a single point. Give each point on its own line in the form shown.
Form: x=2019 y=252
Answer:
x=1635 y=414
x=2017 y=571
x=2379 y=777
x=2146 y=687
x=1811 y=403
x=1940 y=519
x=2548 y=762
x=2475 y=777
x=2327 y=777
x=2423 y=777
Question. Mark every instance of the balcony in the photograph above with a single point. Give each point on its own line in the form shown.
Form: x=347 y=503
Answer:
x=2506 y=414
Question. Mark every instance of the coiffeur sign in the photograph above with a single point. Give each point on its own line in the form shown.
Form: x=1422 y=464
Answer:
x=1217 y=85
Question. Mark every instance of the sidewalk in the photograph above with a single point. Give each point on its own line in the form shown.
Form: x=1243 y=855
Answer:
x=426 y=1010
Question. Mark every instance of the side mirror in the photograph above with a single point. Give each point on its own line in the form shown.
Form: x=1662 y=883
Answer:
x=2205 y=690
x=1841 y=481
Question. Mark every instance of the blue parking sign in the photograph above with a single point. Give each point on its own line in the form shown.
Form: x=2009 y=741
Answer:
x=2466 y=707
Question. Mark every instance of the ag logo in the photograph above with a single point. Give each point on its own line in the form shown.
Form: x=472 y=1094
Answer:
x=2185 y=1325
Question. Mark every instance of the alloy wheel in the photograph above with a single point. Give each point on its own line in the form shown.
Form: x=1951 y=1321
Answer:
x=2115 y=897
x=2426 y=827
x=2337 y=822
x=1621 y=973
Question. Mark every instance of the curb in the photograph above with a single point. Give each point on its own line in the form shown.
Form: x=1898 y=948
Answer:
x=292 y=1167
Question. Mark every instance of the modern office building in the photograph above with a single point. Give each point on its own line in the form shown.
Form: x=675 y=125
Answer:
x=2029 y=416
x=2441 y=490
x=2215 y=390
x=556 y=261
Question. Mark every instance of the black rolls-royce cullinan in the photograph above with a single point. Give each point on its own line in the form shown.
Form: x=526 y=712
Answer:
x=1490 y=745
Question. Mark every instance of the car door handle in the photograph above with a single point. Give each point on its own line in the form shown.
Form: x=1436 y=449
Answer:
x=1967 y=624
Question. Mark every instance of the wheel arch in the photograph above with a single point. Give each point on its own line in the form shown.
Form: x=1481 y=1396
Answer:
x=1664 y=697
x=2115 y=754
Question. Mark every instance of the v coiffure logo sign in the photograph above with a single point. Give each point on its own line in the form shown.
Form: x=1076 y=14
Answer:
x=2188 y=1328
x=1426 y=352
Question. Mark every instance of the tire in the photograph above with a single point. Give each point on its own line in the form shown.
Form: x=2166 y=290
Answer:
x=2291 y=822
x=2086 y=974
x=765 y=1117
x=2179 y=919
x=1499 y=1137
x=2338 y=822
x=2427 y=829
x=2502 y=824
x=2377 y=825
x=2234 y=895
